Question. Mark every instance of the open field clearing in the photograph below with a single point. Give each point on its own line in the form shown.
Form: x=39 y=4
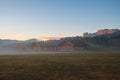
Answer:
x=62 y=66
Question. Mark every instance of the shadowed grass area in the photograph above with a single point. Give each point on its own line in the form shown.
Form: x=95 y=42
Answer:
x=62 y=66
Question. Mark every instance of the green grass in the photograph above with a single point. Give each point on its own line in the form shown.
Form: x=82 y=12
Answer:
x=64 y=66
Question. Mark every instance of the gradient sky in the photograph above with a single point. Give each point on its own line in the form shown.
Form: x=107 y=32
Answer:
x=25 y=19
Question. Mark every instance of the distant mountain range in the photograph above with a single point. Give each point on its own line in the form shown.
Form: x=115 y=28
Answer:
x=110 y=37
x=105 y=32
x=6 y=42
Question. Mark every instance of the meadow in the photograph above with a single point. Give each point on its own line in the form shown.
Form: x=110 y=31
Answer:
x=61 y=66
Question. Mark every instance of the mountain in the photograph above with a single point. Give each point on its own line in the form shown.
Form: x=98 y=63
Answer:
x=32 y=40
x=107 y=31
x=7 y=42
x=102 y=32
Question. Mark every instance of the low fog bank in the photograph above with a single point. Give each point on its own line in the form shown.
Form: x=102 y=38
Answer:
x=23 y=52
x=19 y=52
x=13 y=50
x=10 y=51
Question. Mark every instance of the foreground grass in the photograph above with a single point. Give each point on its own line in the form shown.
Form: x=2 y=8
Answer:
x=64 y=66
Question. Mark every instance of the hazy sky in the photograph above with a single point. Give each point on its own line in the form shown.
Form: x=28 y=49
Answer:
x=24 y=19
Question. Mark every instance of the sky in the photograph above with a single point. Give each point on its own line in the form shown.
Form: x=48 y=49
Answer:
x=26 y=19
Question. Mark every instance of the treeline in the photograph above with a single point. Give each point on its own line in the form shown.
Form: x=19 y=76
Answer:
x=106 y=40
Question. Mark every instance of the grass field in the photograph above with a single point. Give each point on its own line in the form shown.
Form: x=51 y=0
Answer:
x=64 y=66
